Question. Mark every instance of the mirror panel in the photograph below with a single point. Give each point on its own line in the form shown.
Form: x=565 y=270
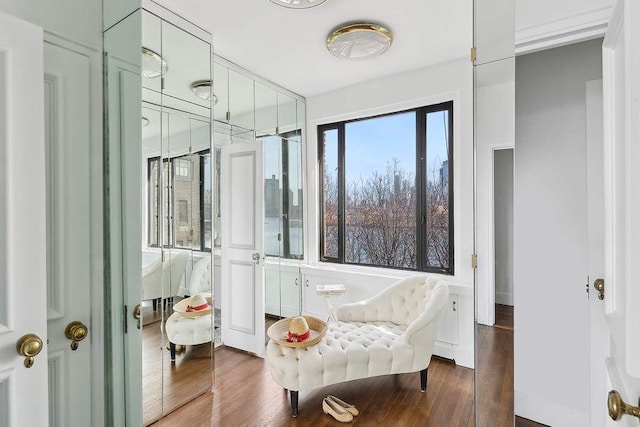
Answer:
x=241 y=100
x=175 y=193
x=287 y=114
x=494 y=92
x=266 y=107
x=189 y=61
x=221 y=91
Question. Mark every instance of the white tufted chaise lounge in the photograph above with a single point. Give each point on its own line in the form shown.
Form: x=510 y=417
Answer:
x=390 y=333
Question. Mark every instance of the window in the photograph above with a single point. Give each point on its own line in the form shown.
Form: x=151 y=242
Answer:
x=283 y=195
x=386 y=190
x=179 y=198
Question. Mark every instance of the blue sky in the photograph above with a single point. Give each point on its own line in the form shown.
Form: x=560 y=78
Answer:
x=374 y=142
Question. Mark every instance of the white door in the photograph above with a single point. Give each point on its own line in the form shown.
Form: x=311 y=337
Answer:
x=67 y=136
x=241 y=182
x=598 y=337
x=621 y=68
x=23 y=307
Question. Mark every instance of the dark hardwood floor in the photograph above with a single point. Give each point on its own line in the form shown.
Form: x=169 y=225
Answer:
x=244 y=394
x=166 y=386
x=504 y=316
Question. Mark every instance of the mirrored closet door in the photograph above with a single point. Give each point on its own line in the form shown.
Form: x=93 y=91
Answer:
x=176 y=202
x=160 y=194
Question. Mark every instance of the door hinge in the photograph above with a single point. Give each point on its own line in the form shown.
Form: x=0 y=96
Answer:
x=162 y=254
x=474 y=261
x=162 y=83
x=228 y=116
x=473 y=54
x=125 y=312
x=191 y=232
x=277 y=130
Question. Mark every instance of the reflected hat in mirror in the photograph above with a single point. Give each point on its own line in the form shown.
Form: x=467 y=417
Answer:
x=301 y=331
x=195 y=306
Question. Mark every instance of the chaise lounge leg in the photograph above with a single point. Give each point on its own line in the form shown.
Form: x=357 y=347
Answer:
x=294 y=402
x=423 y=380
x=172 y=347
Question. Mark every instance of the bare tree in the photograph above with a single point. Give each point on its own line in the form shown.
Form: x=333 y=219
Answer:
x=380 y=222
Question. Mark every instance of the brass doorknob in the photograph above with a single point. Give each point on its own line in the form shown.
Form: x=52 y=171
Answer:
x=29 y=346
x=617 y=406
x=75 y=331
x=598 y=284
x=136 y=315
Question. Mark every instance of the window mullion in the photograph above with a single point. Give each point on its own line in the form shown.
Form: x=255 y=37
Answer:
x=286 y=249
x=341 y=194
x=421 y=179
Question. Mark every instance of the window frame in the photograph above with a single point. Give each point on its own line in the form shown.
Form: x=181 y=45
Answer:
x=172 y=223
x=420 y=187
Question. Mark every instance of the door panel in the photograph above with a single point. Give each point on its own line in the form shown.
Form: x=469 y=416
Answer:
x=242 y=253
x=22 y=221
x=67 y=130
x=621 y=67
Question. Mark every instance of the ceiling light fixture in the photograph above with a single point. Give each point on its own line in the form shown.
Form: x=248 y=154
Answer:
x=152 y=64
x=202 y=89
x=359 y=41
x=298 y=4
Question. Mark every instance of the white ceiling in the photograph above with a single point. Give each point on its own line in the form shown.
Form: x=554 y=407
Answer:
x=287 y=46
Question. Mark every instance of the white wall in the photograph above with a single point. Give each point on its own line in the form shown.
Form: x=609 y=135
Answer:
x=77 y=20
x=550 y=234
x=448 y=81
x=503 y=220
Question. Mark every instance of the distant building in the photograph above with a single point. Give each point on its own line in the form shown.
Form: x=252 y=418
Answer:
x=444 y=173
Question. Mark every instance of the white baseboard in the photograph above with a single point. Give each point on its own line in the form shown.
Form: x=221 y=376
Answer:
x=544 y=411
x=462 y=355
x=504 y=298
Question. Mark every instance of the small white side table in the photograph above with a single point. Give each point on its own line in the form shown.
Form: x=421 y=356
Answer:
x=329 y=291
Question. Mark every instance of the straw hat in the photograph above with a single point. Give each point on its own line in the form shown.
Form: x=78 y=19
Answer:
x=195 y=306
x=299 y=332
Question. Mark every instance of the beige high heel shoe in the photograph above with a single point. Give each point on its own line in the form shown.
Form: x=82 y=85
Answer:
x=348 y=406
x=336 y=411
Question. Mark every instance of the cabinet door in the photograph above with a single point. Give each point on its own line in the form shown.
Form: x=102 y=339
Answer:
x=272 y=289
x=290 y=291
x=448 y=327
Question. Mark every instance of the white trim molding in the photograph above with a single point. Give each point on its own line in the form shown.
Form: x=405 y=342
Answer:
x=562 y=31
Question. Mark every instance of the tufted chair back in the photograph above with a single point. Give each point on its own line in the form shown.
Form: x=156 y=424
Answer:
x=201 y=277
x=401 y=303
x=152 y=280
x=173 y=272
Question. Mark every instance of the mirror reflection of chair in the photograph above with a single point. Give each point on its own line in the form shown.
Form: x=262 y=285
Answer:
x=172 y=276
x=152 y=282
x=185 y=331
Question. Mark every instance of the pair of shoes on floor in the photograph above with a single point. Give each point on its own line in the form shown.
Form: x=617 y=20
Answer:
x=339 y=409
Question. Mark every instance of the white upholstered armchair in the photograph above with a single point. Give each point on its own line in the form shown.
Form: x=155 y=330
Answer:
x=390 y=333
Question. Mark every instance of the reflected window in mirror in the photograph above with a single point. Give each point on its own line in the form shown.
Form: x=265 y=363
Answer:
x=283 y=195
x=180 y=191
x=386 y=190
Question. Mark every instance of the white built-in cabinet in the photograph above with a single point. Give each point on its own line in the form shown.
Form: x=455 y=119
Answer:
x=282 y=289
